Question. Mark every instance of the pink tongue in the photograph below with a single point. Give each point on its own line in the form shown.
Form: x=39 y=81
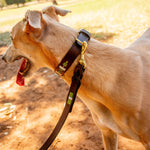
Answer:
x=20 y=79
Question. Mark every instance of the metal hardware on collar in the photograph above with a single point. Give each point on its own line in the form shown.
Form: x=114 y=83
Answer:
x=73 y=52
x=84 y=47
x=84 y=35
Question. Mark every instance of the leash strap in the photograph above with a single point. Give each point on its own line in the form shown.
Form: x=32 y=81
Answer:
x=76 y=82
x=79 y=47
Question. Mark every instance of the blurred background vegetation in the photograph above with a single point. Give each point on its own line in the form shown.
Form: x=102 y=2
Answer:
x=118 y=22
x=4 y=3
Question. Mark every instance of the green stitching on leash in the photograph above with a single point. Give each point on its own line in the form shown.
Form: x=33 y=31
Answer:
x=62 y=68
x=70 y=97
x=65 y=64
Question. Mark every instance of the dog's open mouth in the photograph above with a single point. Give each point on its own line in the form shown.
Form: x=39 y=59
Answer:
x=24 y=68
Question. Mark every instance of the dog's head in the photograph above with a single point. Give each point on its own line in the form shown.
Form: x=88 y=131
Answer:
x=27 y=38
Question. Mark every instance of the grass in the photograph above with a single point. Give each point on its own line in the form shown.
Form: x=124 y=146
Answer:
x=116 y=21
x=4 y=39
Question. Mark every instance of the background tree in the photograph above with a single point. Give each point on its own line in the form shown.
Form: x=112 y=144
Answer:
x=54 y=2
x=9 y=2
x=2 y=3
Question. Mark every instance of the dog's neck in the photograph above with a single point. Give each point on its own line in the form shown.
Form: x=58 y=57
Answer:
x=59 y=44
x=103 y=60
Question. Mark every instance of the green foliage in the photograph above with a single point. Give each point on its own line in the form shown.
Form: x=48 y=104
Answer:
x=9 y=2
x=2 y=3
x=5 y=39
x=114 y=20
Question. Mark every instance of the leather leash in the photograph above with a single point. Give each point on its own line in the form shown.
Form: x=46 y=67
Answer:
x=77 y=48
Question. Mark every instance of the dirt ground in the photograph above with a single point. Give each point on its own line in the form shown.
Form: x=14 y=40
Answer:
x=28 y=114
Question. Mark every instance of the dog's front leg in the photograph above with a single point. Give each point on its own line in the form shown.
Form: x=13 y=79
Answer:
x=147 y=146
x=110 y=139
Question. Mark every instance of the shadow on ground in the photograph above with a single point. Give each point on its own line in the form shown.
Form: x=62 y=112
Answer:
x=101 y=36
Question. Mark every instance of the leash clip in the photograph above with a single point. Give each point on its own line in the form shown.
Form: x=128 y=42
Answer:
x=84 y=47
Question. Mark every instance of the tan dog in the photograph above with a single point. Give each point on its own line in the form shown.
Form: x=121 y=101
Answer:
x=116 y=82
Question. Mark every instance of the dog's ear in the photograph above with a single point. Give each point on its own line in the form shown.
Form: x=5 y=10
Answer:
x=60 y=11
x=54 y=11
x=33 y=22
